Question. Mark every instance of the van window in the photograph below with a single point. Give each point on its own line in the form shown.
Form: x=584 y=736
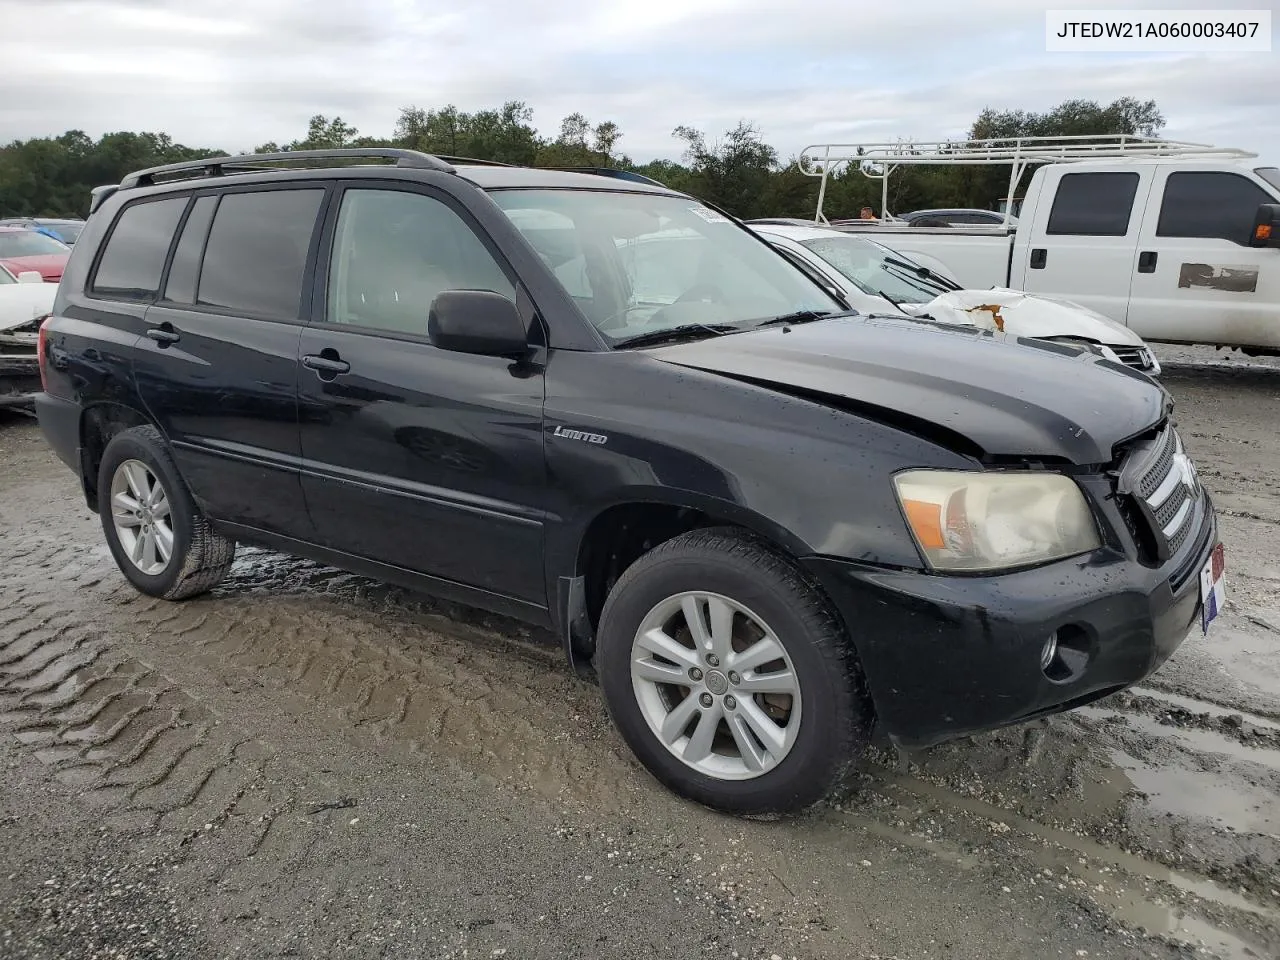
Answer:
x=1270 y=174
x=1093 y=205
x=181 y=285
x=134 y=257
x=257 y=252
x=1210 y=205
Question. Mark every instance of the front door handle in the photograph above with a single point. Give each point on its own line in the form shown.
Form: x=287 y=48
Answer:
x=327 y=364
x=1039 y=257
x=1147 y=261
x=164 y=334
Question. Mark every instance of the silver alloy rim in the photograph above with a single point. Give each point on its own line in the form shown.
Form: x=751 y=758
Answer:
x=140 y=512
x=716 y=686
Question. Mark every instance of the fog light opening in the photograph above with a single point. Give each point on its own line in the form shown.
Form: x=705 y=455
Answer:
x=1065 y=654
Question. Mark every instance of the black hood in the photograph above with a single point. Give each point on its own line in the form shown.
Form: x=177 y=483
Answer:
x=1006 y=397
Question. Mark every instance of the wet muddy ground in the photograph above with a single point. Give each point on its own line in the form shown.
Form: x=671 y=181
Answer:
x=309 y=764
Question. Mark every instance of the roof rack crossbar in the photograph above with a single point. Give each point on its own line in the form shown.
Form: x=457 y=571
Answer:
x=219 y=166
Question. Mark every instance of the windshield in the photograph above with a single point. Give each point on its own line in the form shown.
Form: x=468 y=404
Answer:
x=66 y=232
x=638 y=263
x=864 y=263
x=29 y=243
x=6 y=276
x=1270 y=174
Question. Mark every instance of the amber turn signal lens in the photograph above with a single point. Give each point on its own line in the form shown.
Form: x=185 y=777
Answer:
x=1263 y=232
x=926 y=523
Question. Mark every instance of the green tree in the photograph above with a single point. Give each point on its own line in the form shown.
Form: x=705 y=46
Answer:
x=733 y=173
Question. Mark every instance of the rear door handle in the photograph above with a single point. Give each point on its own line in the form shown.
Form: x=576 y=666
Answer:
x=1147 y=261
x=327 y=364
x=164 y=334
x=1039 y=257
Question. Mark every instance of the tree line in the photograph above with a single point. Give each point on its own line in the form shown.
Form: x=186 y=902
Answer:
x=739 y=171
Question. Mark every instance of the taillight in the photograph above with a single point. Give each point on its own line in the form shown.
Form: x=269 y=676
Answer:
x=42 y=351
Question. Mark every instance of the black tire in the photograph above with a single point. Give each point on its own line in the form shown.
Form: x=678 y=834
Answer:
x=200 y=557
x=836 y=720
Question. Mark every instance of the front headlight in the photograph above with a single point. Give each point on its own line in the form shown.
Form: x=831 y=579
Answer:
x=993 y=521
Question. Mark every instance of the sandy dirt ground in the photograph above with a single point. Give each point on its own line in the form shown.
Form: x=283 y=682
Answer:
x=309 y=764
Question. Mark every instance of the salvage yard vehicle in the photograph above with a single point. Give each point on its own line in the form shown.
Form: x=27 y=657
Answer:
x=25 y=300
x=1178 y=241
x=23 y=251
x=768 y=525
x=875 y=278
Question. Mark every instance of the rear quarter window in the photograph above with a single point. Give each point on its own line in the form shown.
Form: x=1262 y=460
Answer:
x=133 y=259
x=1093 y=205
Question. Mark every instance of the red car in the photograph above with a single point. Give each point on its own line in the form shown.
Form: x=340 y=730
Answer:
x=22 y=250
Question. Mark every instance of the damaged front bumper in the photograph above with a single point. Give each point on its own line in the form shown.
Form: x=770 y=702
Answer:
x=19 y=368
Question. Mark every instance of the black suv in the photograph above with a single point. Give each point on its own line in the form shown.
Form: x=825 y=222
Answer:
x=768 y=524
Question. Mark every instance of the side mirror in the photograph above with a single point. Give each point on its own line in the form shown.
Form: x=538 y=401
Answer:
x=1266 y=226
x=30 y=276
x=477 y=321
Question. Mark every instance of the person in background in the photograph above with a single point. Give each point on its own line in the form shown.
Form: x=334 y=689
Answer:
x=867 y=214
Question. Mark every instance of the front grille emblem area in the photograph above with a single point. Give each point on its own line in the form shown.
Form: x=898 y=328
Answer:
x=1162 y=482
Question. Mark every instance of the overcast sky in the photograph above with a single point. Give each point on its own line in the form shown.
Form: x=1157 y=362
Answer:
x=803 y=70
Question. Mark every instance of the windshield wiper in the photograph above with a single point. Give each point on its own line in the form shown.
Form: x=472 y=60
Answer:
x=799 y=316
x=923 y=272
x=896 y=303
x=686 y=331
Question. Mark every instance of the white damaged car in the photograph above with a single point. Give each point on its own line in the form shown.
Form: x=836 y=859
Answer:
x=877 y=279
x=25 y=299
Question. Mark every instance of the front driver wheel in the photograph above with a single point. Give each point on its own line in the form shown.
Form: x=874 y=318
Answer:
x=730 y=676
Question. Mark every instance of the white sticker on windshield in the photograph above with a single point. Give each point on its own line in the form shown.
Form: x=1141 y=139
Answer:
x=709 y=215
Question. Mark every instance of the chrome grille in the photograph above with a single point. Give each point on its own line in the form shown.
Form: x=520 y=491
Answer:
x=1162 y=481
x=1139 y=358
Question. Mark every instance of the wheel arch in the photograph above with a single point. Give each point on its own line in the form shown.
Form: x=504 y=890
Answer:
x=99 y=422
x=613 y=534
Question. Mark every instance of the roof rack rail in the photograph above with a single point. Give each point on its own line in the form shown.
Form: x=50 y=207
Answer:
x=472 y=161
x=877 y=160
x=611 y=172
x=219 y=166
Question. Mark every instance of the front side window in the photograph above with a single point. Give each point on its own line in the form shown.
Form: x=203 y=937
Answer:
x=134 y=257
x=1210 y=205
x=29 y=243
x=643 y=263
x=1093 y=205
x=256 y=254
x=394 y=252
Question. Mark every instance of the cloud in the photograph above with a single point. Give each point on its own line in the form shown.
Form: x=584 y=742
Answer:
x=828 y=70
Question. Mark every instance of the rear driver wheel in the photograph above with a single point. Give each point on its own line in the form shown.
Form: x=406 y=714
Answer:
x=730 y=676
x=161 y=542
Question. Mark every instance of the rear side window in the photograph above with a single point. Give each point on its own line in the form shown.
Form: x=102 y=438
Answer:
x=1210 y=205
x=181 y=285
x=134 y=257
x=1093 y=205
x=257 y=252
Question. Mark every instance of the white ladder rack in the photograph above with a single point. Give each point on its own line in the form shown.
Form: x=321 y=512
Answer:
x=877 y=161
